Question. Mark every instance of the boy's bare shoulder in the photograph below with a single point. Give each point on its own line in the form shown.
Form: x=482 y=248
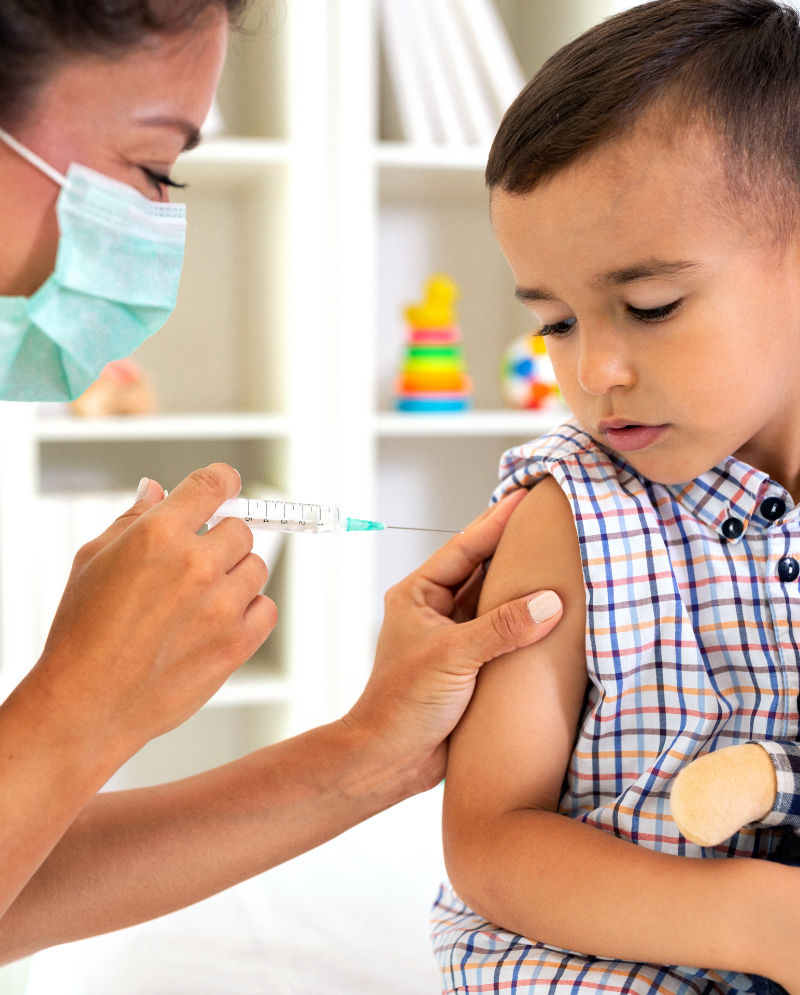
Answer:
x=539 y=550
x=512 y=747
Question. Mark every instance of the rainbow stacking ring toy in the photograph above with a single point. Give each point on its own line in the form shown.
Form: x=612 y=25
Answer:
x=433 y=377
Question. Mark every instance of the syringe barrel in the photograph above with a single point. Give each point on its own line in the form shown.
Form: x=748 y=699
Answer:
x=280 y=516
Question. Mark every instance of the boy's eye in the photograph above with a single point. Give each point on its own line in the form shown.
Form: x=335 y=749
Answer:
x=559 y=328
x=160 y=180
x=654 y=313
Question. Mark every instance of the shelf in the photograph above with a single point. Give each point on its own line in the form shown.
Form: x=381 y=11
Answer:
x=530 y=424
x=238 y=151
x=436 y=173
x=405 y=155
x=209 y=426
x=250 y=687
x=233 y=161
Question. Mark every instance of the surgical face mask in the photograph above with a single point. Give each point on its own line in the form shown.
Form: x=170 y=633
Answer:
x=115 y=283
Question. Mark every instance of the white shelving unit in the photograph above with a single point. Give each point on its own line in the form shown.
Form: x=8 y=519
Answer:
x=308 y=231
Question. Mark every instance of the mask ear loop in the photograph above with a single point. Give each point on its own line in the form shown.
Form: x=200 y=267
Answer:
x=34 y=159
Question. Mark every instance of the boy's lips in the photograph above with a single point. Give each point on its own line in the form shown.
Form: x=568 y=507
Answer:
x=626 y=437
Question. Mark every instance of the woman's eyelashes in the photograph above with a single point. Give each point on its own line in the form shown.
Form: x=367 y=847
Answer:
x=651 y=314
x=160 y=180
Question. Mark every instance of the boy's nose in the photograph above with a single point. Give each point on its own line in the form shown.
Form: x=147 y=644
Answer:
x=603 y=363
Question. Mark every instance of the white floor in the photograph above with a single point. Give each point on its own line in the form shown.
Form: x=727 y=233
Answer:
x=350 y=918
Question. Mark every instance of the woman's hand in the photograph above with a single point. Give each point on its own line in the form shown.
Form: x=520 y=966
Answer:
x=154 y=617
x=152 y=622
x=426 y=664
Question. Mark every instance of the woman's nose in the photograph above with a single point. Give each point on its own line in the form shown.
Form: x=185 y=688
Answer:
x=603 y=362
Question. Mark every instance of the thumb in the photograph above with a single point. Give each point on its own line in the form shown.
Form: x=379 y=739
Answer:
x=149 y=494
x=511 y=626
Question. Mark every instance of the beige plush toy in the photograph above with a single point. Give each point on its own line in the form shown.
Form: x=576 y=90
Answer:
x=721 y=792
x=123 y=388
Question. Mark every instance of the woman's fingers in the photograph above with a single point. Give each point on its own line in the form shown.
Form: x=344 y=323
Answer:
x=229 y=542
x=261 y=618
x=155 y=617
x=468 y=596
x=510 y=627
x=248 y=577
x=203 y=492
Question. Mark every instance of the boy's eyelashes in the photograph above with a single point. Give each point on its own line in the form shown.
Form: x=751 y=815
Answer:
x=654 y=313
x=651 y=314
x=559 y=328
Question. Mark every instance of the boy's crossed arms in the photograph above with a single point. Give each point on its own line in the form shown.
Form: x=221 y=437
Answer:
x=551 y=878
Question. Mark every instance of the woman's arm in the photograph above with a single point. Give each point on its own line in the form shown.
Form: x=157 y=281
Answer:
x=152 y=622
x=553 y=879
x=134 y=855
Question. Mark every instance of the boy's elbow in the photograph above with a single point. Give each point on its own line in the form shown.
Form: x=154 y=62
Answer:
x=469 y=859
x=487 y=855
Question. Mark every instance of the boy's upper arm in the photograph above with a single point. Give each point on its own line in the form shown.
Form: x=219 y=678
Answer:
x=514 y=743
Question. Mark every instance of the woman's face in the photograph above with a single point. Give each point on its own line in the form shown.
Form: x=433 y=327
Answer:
x=128 y=118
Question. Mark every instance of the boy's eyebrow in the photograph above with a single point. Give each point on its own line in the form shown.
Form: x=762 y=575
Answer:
x=534 y=294
x=642 y=271
x=616 y=278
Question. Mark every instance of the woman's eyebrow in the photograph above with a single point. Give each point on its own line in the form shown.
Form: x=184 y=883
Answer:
x=191 y=131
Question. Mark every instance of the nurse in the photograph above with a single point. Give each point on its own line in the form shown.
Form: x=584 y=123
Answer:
x=97 y=100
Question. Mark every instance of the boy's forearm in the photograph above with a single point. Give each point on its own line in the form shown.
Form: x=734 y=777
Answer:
x=556 y=880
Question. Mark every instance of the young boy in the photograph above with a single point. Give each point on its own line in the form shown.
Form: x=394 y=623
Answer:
x=646 y=193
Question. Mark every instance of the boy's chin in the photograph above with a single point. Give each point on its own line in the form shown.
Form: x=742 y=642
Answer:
x=669 y=461
x=667 y=467
x=677 y=458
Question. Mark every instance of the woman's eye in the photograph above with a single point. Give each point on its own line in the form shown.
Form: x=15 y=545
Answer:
x=654 y=313
x=160 y=180
x=559 y=328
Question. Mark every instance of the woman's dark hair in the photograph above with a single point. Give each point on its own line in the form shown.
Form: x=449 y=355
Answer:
x=36 y=36
x=733 y=65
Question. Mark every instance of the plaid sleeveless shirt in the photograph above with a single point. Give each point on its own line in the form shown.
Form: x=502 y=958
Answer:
x=690 y=647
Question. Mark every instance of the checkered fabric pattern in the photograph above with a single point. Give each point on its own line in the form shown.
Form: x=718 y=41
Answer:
x=690 y=647
x=786 y=760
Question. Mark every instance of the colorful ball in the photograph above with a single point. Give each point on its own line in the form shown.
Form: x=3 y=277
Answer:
x=526 y=376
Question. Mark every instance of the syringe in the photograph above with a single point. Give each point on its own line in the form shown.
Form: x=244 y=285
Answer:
x=290 y=516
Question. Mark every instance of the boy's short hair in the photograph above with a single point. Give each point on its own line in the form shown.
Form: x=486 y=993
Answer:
x=733 y=65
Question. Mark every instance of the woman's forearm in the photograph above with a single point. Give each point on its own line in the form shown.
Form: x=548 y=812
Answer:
x=134 y=855
x=556 y=880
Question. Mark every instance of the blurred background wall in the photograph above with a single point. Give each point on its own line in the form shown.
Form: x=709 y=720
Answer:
x=314 y=220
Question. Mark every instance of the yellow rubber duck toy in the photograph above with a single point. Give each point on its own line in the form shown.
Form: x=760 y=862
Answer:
x=438 y=308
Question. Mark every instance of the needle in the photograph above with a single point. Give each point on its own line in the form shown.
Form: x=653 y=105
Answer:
x=407 y=528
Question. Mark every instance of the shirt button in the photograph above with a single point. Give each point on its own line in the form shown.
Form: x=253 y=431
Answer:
x=773 y=508
x=788 y=569
x=732 y=528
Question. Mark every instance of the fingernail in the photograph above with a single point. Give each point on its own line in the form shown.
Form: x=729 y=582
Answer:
x=141 y=490
x=545 y=605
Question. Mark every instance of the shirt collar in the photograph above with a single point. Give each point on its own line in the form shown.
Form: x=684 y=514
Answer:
x=731 y=490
